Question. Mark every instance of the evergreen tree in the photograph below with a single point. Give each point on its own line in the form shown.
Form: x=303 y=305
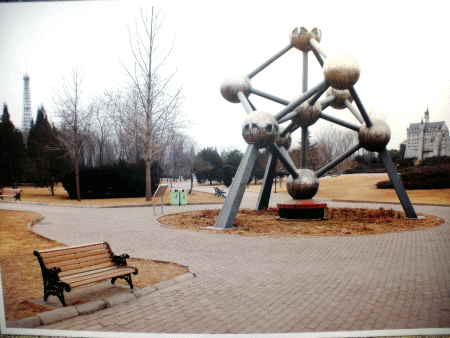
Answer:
x=12 y=151
x=208 y=166
x=48 y=162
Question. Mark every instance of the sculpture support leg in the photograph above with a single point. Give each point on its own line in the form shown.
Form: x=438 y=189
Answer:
x=231 y=205
x=304 y=147
x=398 y=185
x=266 y=188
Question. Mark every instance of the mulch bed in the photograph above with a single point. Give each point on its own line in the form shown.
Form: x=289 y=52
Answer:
x=338 y=222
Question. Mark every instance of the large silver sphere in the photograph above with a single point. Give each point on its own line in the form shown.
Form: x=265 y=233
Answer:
x=376 y=137
x=307 y=115
x=284 y=141
x=342 y=71
x=230 y=86
x=305 y=186
x=260 y=128
x=300 y=37
x=340 y=97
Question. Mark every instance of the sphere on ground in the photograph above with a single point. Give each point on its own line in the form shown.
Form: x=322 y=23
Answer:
x=305 y=186
x=307 y=115
x=342 y=71
x=300 y=37
x=339 y=97
x=260 y=128
x=230 y=86
x=374 y=138
x=284 y=141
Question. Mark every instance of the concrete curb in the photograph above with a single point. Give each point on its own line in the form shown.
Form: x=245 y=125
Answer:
x=56 y=315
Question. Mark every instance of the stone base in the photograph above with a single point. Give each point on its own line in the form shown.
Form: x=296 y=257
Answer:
x=301 y=209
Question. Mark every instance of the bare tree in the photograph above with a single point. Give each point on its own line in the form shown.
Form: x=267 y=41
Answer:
x=74 y=118
x=153 y=111
x=101 y=124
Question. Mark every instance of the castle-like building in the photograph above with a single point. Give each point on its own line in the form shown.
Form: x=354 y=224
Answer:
x=427 y=139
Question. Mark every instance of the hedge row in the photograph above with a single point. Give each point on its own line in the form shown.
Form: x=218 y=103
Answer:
x=423 y=177
x=121 y=180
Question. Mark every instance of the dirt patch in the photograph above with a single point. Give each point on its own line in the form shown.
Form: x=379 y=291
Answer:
x=21 y=274
x=339 y=222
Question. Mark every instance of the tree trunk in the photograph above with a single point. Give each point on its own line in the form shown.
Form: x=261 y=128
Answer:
x=77 y=179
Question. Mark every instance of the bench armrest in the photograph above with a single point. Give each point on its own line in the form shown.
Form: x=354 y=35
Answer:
x=121 y=260
x=50 y=276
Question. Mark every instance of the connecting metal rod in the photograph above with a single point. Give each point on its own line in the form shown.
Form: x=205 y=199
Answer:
x=318 y=57
x=398 y=185
x=288 y=117
x=316 y=96
x=288 y=129
x=248 y=108
x=354 y=111
x=338 y=160
x=251 y=104
x=326 y=102
x=269 y=96
x=231 y=205
x=305 y=72
x=339 y=121
x=361 y=108
x=317 y=48
x=299 y=100
x=268 y=62
x=286 y=160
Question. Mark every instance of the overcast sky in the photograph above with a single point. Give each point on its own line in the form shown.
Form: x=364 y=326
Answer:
x=402 y=48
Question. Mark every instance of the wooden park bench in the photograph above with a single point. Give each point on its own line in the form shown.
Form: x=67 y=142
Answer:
x=219 y=192
x=10 y=192
x=70 y=267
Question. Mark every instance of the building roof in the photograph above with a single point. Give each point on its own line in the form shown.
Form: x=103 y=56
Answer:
x=430 y=126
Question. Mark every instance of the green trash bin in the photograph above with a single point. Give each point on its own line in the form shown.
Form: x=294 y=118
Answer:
x=174 y=197
x=183 y=197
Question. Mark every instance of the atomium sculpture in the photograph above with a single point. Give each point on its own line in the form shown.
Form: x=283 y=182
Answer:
x=260 y=129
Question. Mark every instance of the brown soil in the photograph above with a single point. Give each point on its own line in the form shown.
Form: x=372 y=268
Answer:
x=339 y=222
x=21 y=274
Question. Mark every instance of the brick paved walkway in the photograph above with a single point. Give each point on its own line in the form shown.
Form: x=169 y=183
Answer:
x=266 y=284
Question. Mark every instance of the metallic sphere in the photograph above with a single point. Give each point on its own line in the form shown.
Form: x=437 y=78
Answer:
x=284 y=141
x=300 y=37
x=230 y=86
x=260 y=128
x=342 y=71
x=307 y=115
x=376 y=137
x=305 y=186
x=340 y=97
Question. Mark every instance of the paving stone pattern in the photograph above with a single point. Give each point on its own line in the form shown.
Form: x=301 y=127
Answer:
x=265 y=284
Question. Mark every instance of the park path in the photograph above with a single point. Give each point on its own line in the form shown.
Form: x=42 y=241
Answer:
x=265 y=284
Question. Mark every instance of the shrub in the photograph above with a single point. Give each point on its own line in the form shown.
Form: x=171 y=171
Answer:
x=120 y=180
x=423 y=177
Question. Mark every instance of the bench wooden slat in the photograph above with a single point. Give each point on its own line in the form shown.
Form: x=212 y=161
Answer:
x=75 y=256
x=74 y=267
x=86 y=269
x=70 y=250
x=77 y=261
x=100 y=277
x=87 y=273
